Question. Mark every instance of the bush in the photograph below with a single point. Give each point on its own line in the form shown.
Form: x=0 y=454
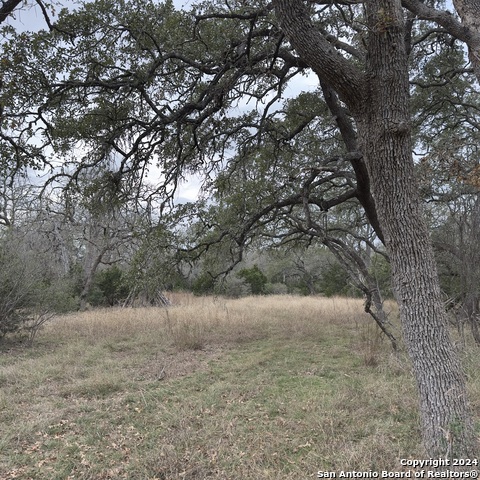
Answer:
x=382 y=272
x=29 y=293
x=18 y=285
x=255 y=278
x=111 y=284
x=336 y=281
x=204 y=284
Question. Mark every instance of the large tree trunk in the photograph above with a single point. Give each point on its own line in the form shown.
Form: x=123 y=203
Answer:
x=385 y=131
x=378 y=99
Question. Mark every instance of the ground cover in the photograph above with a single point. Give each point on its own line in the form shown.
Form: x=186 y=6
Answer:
x=252 y=388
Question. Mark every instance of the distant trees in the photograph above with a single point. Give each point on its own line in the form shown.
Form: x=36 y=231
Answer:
x=456 y=241
x=21 y=286
x=64 y=248
x=300 y=270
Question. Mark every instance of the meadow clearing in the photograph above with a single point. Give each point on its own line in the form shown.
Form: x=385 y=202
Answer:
x=275 y=387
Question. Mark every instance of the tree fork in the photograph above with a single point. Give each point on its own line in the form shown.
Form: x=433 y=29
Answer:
x=349 y=137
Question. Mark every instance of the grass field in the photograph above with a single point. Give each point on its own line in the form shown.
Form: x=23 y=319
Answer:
x=256 y=388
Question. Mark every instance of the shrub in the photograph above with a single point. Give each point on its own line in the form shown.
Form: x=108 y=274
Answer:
x=29 y=293
x=255 y=278
x=336 y=281
x=382 y=272
x=110 y=282
x=204 y=284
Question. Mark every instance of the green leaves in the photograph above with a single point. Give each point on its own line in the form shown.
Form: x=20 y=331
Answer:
x=255 y=278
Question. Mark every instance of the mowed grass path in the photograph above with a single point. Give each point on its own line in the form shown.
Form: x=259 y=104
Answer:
x=257 y=388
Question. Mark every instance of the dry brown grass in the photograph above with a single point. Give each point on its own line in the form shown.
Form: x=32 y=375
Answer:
x=193 y=322
x=258 y=387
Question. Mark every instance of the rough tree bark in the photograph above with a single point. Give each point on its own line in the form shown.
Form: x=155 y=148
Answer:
x=378 y=99
x=385 y=129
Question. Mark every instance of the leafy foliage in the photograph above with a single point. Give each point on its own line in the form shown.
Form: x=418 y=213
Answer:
x=336 y=281
x=255 y=278
x=203 y=284
x=111 y=283
x=136 y=84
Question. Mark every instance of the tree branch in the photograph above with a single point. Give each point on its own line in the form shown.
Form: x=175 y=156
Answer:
x=322 y=57
x=442 y=18
x=7 y=8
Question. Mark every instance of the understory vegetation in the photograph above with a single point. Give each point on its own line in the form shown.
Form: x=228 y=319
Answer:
x=252 y=388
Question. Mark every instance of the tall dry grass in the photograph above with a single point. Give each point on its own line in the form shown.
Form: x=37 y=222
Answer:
x=194 y=322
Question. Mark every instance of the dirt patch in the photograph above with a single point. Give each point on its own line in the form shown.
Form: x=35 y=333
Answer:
x=174 y=363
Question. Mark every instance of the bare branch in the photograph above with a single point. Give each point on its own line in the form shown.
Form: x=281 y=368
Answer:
x=442 y=18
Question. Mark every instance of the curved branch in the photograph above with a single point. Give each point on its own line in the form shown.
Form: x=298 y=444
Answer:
x=467 y=31
x=319 y=53
x=442 y=18
x=349 y=136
